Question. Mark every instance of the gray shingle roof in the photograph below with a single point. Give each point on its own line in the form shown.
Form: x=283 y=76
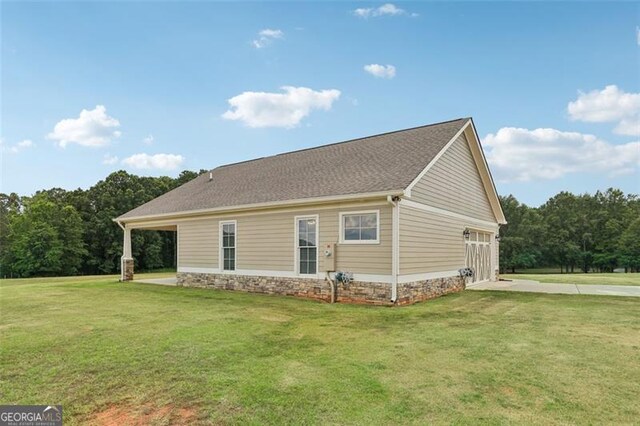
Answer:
x=386 y=162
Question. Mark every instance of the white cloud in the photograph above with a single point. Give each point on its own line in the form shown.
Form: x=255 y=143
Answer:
x=638 y=35
x=381 y=71
x=20 y=146
x=157 y=161
x=148 y=140
x=629 y=127
x=266 y=37
x=387 y=9
x=262 y=109
x=608 y=105
x=109 y=159
x=517 y=154
x=271 y=33
x=92 y=128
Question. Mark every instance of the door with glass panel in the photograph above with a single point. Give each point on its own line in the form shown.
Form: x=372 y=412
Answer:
x=478 y=255
x=307 y=245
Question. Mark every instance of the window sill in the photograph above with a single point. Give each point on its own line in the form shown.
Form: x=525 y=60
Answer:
x=358 y=243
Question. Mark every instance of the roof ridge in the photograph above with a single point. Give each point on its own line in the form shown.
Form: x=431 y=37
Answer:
x=343 y=142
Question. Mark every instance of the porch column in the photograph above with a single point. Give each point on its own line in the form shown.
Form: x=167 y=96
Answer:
x=126 y=265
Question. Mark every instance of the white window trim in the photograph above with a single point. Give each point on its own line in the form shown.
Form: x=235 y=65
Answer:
x=221 y=249
x=296 y=252
x=341 y=227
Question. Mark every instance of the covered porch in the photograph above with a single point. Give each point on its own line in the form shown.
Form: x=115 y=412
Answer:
x=127 y=260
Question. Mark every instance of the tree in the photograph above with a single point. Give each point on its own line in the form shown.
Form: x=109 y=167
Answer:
x=520 y=238
x=86 y=216
x=576 y=231
x=629 y=247
x=561 y=218
x=36 y=249
x=46 y=239
x=10 y=206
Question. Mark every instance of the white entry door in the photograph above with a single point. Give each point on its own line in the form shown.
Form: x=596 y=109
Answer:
x=478 y=255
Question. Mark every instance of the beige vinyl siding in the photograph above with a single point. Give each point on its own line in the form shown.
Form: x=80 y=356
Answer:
x=266 y=241
x=430 y=242
x=358 y=258
x=198 y=243
x=453 y=183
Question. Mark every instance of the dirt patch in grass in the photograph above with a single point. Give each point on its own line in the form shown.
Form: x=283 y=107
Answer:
x=117 y=415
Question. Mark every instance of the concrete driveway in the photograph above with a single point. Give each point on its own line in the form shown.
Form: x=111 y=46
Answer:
x=531 y=286
x=160 y=281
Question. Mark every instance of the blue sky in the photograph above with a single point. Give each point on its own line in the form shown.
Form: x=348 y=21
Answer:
x=554 y=88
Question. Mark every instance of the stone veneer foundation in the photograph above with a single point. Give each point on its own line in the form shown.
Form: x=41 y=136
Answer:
x=417 y=291
x=355 y=292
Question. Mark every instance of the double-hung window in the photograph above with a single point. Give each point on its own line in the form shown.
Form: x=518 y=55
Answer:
x=307 y=244
x=228 y=245
x=360 y=227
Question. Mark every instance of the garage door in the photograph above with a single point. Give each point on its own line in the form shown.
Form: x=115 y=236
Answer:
x=478 y=255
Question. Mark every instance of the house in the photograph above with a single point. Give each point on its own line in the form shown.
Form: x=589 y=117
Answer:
x=385 y=219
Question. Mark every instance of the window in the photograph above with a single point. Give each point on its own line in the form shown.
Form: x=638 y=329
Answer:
x=228 y=252
x=307 y=245
x=359 y=227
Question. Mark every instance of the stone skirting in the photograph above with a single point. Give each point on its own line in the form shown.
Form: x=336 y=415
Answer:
x=418 y=291
x=300 y=287
x=127 y=268
x=355 y=292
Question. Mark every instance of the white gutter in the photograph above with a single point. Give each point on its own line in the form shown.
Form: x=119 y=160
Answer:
x=395 y=245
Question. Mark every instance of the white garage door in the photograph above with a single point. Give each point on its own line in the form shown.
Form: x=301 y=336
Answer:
x=478 y=255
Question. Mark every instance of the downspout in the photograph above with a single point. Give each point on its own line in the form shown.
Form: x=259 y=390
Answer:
x=395 y=245
x=333 y=284
x=121 y=257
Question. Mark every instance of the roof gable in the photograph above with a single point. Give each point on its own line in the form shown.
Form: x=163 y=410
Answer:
x=470 y=188
x=386 y=162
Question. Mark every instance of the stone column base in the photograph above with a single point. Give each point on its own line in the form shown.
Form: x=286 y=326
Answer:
x=127 y=269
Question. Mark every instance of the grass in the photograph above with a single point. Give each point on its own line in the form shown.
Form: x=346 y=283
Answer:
x=157 y=271
x=596 y=279
x=548 y=270
x=166 y=355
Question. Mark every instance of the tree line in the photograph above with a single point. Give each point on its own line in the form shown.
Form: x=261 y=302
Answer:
x=57 y=232
x=599 y=232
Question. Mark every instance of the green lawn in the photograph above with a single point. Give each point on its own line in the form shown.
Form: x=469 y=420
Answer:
x=600 y=279
x=161 y=355
x=547 y=270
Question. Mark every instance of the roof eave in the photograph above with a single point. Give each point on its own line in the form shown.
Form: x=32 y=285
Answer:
x=262 y=206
